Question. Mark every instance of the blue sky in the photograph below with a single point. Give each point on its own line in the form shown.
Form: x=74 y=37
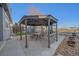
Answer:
x=67 y=14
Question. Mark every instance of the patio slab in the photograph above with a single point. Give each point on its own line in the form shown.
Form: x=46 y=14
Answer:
x=39 y=47
x=12 y=48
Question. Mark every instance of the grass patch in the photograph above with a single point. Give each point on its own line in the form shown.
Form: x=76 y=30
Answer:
x=19 y=33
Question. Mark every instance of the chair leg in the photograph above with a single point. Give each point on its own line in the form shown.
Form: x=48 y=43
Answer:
x=36 y=37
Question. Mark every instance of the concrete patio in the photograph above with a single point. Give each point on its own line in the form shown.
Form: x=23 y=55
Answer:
x=16 y=47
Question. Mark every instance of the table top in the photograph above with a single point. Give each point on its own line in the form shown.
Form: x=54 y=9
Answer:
x=36 y=33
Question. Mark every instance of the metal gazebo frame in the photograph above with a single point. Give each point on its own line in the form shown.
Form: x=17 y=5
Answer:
x=38 y=20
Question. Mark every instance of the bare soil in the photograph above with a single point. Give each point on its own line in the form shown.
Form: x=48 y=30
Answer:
x=66 y=50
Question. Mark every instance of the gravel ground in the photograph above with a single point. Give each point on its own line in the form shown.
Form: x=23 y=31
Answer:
x=66 y=50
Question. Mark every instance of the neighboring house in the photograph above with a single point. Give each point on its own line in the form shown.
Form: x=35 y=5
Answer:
x=5 y=21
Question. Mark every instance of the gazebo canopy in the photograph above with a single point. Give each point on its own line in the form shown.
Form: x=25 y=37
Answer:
x=38 y=20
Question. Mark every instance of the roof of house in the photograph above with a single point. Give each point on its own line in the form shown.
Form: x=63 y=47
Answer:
x=7 y=10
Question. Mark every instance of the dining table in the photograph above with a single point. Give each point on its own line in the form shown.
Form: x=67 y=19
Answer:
x=37 y=35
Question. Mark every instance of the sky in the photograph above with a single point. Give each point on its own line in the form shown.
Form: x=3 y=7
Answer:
x=67 y=14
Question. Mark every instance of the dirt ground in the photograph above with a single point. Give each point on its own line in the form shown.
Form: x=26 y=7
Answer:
x=66 y=50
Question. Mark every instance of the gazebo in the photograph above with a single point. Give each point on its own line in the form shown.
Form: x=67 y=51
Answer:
x=38 y=20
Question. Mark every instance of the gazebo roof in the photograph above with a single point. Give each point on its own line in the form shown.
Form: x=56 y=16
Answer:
x=38 y=20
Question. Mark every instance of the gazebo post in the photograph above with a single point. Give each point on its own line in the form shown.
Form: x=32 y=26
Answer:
x=20 y=33
x=26 y=33
x=48 y=32
x=42 y=30
x=56 y=33
x=51 y=28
